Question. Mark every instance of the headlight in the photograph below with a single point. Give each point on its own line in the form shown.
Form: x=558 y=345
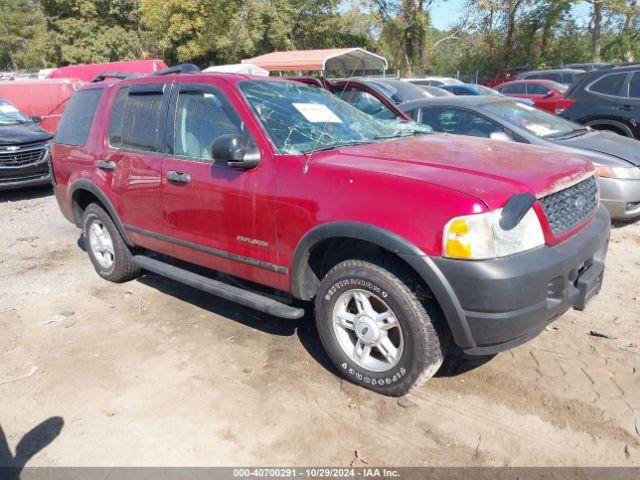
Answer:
x=627 y=173
x=477 y=237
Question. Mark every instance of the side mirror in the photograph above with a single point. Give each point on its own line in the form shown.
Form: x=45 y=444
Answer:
x=234 y=151
x=500 y=136
x=549 y=95
x=36 y=118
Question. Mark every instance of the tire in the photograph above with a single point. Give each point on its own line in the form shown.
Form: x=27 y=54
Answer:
x=107 y=244
x=419 y=340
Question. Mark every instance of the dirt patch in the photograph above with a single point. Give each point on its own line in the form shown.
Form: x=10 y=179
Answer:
x=154 y=373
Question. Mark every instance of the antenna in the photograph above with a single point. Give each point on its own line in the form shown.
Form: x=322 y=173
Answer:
x=305 y=168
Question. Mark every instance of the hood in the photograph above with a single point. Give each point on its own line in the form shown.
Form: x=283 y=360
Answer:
x=607 y=143
x=489 y=170
x=23 y=133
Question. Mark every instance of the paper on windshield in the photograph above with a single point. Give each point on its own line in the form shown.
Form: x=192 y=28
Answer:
x=8 y=109
x=317 y=113
x=540 y=130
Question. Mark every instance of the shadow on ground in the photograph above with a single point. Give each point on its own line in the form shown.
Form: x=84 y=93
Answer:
x=34 y=441
x=304 y=328
x=456 y=363
x=30 y=193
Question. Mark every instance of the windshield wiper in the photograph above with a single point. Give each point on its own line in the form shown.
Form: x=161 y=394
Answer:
x=333 y=146
x=576 y=132
x=401 y=133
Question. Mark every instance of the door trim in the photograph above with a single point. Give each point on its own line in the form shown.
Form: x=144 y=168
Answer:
x=211 y=251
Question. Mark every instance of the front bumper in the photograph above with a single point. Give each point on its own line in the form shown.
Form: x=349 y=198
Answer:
x=620 y=197
x=510 y=300
x=27 y=176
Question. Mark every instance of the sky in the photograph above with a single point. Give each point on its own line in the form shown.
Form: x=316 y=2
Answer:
x=446 y=13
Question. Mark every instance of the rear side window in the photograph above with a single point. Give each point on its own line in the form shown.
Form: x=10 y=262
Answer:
x=117 y=116
x=141 y=119
x=515 y=88
x=77 y=118
x=536 y=89
x=634 y=85
x=609 y=84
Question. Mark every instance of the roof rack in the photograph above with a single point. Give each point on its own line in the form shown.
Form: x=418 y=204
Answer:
x=119 y=75
x=184 y=68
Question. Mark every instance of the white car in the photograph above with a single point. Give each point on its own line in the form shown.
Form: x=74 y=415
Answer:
x=434 y=81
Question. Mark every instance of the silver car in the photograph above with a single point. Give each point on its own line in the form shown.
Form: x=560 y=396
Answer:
x=616 y=158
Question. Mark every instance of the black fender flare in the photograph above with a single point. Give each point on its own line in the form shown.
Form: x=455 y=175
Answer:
x=303 y=281
x=84 y=184
x=611 y=123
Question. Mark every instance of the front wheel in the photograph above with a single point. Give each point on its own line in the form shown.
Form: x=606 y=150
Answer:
x=379 y=326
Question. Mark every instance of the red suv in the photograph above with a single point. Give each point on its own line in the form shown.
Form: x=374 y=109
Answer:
x=403 y=239
x=546 y=94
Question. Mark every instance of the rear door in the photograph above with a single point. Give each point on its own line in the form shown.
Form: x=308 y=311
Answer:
x=632 y=105
x=612 y=102
x=132 y=160
x=216 y=215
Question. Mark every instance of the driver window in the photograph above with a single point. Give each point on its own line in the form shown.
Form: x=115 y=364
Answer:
x=364 y=102
x=459 y=122
x=200 y=118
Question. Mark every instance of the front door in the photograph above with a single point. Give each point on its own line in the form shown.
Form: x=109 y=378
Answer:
x=216 y=215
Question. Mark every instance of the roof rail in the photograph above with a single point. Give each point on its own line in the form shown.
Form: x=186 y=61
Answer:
x=623 y=64
x=184 y=68
x=119 y=75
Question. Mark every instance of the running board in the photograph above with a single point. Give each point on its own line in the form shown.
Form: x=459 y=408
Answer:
x=220 y=289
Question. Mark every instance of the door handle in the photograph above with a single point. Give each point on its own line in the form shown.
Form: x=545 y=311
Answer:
x=107 y=166
x=626 y=108
x=178 y=178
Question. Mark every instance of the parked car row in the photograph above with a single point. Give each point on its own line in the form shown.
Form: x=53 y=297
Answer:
x=404 y=240
x=495 y=116
x=604 y=97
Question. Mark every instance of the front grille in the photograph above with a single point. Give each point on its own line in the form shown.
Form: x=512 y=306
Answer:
x=567 y=208
x=12 y=156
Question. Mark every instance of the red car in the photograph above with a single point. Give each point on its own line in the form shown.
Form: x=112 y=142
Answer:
x=546 y=94
x=402 y=239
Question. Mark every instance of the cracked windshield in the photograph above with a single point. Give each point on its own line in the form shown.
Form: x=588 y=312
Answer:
x=301 y=119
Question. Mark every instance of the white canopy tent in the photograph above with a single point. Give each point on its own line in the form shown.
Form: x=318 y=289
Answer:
x=334 y=59
x=244 y=68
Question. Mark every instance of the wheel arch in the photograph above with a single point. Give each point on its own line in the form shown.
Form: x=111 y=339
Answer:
x=306 y=275
x=83 y=192
x=613 y=124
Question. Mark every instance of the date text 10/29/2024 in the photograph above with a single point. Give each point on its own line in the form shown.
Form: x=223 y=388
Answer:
x=286 y=473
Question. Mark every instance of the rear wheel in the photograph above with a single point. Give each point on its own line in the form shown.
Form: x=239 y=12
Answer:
x=379 y=326
x=106 y=248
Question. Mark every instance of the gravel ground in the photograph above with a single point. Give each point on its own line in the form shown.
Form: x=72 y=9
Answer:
x=154 y=373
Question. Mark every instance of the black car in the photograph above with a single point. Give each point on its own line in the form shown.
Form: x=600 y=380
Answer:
x=607 y=99
x=24 y=150
x=565 y=76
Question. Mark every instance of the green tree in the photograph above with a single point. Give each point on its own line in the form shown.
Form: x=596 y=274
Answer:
x=22 y=35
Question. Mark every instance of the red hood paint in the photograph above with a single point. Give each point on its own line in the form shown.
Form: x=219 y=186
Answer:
x=489 y=170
